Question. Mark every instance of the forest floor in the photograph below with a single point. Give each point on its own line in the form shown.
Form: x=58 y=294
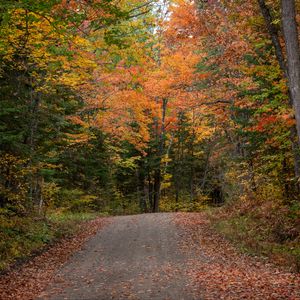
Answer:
x=151 y=256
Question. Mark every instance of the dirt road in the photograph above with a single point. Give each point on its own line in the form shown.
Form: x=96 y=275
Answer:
x=167 y=256
x=134 y=257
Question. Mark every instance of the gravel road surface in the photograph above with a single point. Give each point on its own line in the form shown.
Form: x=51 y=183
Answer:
x=134 y=257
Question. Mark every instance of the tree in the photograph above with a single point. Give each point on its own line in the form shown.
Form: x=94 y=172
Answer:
x=290 y=31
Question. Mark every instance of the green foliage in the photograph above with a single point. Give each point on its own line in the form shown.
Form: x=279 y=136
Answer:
x=55 y=155
x=21 y=237
x=13 y=182
x=170 y=205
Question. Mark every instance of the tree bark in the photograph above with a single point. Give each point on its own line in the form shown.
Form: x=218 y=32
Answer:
x=290 y=32
x=205 y=170
x=161 y=147
x=274 y=34
x=157 y=184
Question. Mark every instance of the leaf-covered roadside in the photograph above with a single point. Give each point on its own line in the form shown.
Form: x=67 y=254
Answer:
x=265 y=229
x=226 y=274
x=27 y=281
x=22 y=237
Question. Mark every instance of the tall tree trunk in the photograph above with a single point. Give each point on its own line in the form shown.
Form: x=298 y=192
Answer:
x=150 y=191
x=157 y=184
x=161 y=147
x=192 y=177
x=203 y=182
x=145 y=195
x=141 y=188
x=274 y=34
x=290 y=32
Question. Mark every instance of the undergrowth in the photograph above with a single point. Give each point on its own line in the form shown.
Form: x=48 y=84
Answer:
x=269 y=230
x=21 y=237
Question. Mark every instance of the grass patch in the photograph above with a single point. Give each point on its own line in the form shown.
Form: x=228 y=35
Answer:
x=21 y=237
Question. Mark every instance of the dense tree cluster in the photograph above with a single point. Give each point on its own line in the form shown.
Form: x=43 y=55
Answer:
x=134 y=106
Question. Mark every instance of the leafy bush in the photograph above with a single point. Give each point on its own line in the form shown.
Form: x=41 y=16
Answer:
x=170 y=204
x=76 y=200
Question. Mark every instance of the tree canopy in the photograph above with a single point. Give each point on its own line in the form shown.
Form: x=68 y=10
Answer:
x=140 y=106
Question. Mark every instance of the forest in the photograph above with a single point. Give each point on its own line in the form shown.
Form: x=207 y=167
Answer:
x=127 y=107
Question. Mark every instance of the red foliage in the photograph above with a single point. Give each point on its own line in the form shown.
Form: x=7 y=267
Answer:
x=265 y=122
